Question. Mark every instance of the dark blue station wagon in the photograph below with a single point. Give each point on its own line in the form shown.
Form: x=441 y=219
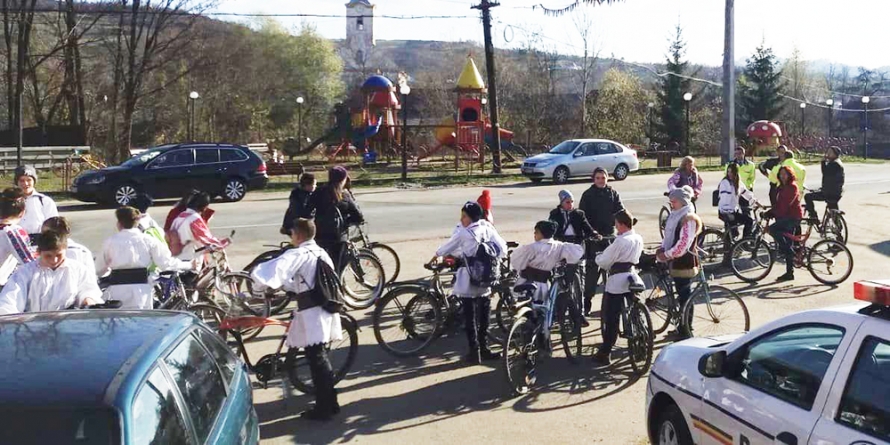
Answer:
x=120 y=377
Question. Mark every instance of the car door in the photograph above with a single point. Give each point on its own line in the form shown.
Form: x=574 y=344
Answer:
x=206 y=174
x=606 y=156
x=584 y=160
x=156 y=415
x=167 y=175
x=858 y=408
x=777 y=390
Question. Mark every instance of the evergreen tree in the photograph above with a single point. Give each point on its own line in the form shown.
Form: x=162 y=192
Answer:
x=759 y=88
x=671 y=106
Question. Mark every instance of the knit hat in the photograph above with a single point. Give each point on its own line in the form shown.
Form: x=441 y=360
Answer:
x=337 y=174
x=485 y=200
x=472 y=210
x=25 y=170
x=683 y=194
x=547 y=228
x=564 y=195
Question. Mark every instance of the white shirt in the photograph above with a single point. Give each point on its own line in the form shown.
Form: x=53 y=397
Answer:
x=38 y=208
x=34 y=288
x=729 y=199
x=132 y=249
x=80 y=253
x=15 y=250
x=626 y=248
x=463 y=243
x=544 y=255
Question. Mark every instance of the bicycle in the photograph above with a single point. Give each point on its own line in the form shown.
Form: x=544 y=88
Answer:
x=716 y=243
x=387 y=256
x=530 y=334
x=833 y=225
x=726 y=312
x=636 y=327
x=752 y=259
x=341 y=353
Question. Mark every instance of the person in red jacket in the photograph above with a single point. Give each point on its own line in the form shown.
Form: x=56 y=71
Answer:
x=788 y=213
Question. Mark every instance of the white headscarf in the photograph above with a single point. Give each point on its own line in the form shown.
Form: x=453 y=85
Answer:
x=683 y=194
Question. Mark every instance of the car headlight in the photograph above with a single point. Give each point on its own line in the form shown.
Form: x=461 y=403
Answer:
x=543 y=163
x=95 y=180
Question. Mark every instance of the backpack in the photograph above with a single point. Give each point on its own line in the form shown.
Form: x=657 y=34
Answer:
x=483 y=267
x=327 y=291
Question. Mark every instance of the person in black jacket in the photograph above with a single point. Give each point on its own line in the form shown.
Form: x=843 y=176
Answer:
x=832 y=184
x=334 y=211
x=298 y=199
x=571 y=223
x=600 y=203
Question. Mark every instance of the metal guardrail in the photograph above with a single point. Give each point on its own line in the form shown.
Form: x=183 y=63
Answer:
x=42 y=158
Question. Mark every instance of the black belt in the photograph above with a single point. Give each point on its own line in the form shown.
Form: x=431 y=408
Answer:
x=537 y=275
x=618 y=268
x=305 y=300
x=127 y=276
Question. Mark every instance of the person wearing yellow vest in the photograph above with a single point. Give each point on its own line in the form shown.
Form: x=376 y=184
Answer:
x=747 y=169
x=800 y=172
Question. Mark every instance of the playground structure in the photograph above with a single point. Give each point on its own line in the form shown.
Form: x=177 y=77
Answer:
x=369 y=124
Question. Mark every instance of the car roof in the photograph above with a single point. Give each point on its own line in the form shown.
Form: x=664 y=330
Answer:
x=197 y=145
x=71 y=358
x=596 y=140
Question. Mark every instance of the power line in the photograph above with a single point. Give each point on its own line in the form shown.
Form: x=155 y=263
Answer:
x=244 y=14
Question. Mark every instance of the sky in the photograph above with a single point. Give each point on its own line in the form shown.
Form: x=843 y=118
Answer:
x=837 y=31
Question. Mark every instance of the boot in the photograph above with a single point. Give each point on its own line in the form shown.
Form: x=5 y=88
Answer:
x=326 y=405
x=472 y=330
x=602 y=357
x=588 y=302
x=789 y=270
x=483 y=312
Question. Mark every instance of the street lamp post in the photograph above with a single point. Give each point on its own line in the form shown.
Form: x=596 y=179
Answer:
x=865 y=101
x=649 y=107
x=193 y=98
x=830 y=104
x=405 y=90
x=687 y=98
x=299 y=124
x=803 y=118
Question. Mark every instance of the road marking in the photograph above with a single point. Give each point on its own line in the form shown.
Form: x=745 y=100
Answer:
x=247 y=226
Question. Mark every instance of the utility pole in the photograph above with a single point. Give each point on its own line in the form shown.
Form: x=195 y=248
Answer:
x=728 y=143
x=485 y=7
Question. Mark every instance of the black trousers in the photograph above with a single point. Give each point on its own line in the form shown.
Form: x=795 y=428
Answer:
x=611 y=309
x=778 y=231
x=592 y=272
x=323 y=379
x=817 y=195
x=476 y=313
x=739 y=217
x=773 y=192
x=335 y=249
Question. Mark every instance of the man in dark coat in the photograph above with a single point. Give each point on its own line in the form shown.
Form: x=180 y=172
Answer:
x=600 y=203
x=298 y=199
x=832 y=184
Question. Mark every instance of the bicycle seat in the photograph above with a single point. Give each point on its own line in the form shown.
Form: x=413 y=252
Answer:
x=525 y=288
x=512 y=244
x=635 y=286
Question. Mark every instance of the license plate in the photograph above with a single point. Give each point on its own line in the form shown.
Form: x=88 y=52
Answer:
x=527 y=170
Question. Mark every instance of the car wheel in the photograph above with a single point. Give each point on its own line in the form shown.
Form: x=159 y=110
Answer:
x=234 y=190
x=561 y=175
x=621 y=172
x=125 y=194
x=671 y=428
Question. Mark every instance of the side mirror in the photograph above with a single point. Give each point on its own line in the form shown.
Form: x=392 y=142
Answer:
x=712 y=364
x=578 y=154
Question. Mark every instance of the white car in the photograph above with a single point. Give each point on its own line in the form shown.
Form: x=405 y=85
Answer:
x=815 y=377
x=579 y=157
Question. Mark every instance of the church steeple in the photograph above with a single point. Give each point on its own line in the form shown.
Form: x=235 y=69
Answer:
x=360 y=30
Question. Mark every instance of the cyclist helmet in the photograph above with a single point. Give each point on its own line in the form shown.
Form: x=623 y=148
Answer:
x=25 y=170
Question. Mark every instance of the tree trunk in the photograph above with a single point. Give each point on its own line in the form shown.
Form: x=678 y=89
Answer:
x=10 y=80
x=112 y=150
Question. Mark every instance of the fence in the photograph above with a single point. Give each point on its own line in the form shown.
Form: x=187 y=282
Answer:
x=52 y=163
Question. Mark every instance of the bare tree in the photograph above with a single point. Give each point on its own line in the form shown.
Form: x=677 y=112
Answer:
x=584 y=25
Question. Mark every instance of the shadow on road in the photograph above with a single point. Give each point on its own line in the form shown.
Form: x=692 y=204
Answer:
x=883 y=248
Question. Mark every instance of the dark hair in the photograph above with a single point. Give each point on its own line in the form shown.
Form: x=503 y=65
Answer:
x=199 y=201
x=51 y=241
x=307 y=179
x=733 y=167
x=739 y=147
x=187 y=198
x=127 y=217
x=789 y=154
x=305 y=227
x=599 y=170
x=12 y=202
x=624 y=217
x=58 y=224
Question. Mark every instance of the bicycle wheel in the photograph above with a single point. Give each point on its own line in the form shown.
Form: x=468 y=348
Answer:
x=830 y=262
x=210 y=315
x=389 y=259
x=278 y=299
x=713 y=311
x=406 y=320
x=751 y=260
x=504 y=313
x=662 y=219
x=836 y=228
x=363 y=280
x=236 y=298
x=659 y=300
x=712 y=247
x=640 y=342
x=341 y=354
x=520 y=356
x=568 y=319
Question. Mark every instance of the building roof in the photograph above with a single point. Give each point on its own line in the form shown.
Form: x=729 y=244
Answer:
x=470 y=79
x=70 y=358
x=354 y=3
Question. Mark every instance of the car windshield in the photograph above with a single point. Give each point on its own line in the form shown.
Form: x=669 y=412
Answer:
x=564 y=148
x=60 y=426
x=145 y=156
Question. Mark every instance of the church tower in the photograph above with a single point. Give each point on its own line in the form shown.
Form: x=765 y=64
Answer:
x=360 y=30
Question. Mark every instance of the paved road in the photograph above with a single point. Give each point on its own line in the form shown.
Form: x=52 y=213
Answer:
x=436 y=398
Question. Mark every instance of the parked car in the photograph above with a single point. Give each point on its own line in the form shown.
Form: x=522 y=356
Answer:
x=815 y=377
x=579 y=157
x=168 y=171
x=121 y=377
